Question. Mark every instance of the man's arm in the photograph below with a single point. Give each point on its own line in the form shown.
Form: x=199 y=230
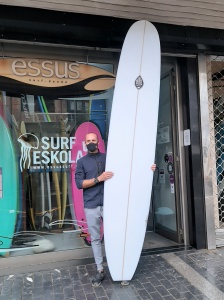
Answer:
x=88 y=183
x=91 y=182
x=80 y=180
x=79 y=175
x=83 y=183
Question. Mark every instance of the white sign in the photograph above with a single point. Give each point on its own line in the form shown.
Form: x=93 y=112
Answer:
x=163 y=135
x=187 y=137
x=172 y=188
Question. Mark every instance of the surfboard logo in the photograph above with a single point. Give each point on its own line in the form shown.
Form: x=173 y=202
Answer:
x=139 y=82
x=26 y=146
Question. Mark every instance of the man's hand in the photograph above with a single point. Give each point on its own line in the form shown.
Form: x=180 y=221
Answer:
x=105 y=175
x=153 y=167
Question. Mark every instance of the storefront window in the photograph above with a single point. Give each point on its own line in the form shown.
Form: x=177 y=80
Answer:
x=40 y=131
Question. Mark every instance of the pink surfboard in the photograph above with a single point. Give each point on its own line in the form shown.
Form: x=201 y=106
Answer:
x=79 y=150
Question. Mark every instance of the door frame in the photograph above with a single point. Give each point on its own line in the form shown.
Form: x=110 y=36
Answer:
x=178 y=235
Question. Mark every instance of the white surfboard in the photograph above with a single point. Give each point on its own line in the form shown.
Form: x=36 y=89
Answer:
x=131 y=149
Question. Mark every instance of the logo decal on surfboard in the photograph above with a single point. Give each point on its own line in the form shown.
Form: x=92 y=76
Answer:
x=139 y=82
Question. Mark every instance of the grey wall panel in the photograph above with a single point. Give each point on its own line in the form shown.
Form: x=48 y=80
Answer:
x=206 y=13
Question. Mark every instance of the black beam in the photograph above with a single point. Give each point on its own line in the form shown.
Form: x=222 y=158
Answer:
x=48 y=26
x=193 y=154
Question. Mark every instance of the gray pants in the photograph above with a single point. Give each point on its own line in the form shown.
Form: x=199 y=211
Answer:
x=93 y=217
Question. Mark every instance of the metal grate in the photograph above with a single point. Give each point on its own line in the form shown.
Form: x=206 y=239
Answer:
x=215 y=75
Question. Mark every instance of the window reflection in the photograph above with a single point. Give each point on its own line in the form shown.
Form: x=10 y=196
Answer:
x=43 y=130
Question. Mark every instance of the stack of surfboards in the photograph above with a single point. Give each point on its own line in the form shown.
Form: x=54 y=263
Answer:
x=131 y=149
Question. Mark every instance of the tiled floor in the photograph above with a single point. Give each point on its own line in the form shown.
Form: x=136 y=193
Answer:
x=154 y=279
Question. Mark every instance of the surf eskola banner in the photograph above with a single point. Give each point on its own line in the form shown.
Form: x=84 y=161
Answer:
x=46 y=75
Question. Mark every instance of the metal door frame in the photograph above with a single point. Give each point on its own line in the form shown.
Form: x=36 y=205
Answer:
x=178 y=236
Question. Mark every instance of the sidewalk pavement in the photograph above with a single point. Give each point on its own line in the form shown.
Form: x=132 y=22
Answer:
x=188 y=274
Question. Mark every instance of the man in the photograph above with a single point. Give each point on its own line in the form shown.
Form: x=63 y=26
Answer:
x=90 y=176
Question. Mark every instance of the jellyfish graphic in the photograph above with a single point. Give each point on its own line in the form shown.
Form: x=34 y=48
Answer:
x=26 y=147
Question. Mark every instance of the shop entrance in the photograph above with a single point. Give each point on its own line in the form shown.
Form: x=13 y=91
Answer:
x=42 y=128
x=164 y=223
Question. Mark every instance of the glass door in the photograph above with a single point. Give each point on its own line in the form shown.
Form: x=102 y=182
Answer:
x=165 y=194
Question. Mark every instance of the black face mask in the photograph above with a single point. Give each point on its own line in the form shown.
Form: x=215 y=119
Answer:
x=91 y=147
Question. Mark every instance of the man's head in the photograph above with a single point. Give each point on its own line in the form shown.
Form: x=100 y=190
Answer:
x=91 y=141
